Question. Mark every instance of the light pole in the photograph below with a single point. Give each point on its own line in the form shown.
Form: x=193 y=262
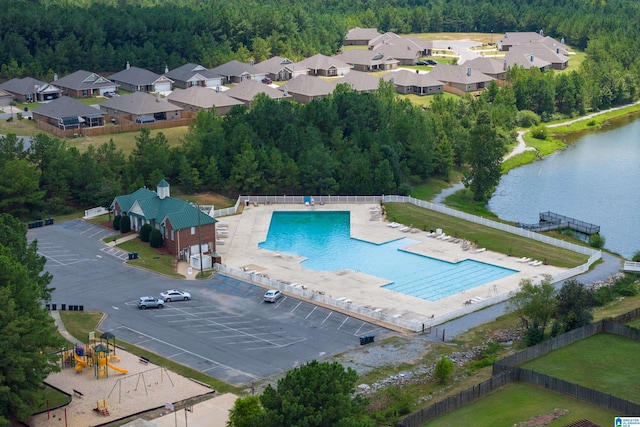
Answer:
x=200 y=239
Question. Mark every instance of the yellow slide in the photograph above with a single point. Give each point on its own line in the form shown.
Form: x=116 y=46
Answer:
x=115 y=368
x=79 y=362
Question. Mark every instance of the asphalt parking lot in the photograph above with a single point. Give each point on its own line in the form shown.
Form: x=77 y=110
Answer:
x=225 y=331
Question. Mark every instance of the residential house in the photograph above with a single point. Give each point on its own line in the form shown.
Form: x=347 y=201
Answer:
x=366 y=60
x=83 y=84
x=325 y=66
x=186 y=230
x=236 y=72
x=189 y=75
x=510 y=40
x=459 y=79
x=136 y=79
x=68 y=113
x=29 y=89
x=279 y=68
x=408 y=82
x=490 y=66
x=555 y=56
x=407 y=51
x=198 y=98
x=513 y=58
x=308 y=88
x=5 y=98
x=141 y=107
x=360 y=36
x=248 y=89
x=359 y=81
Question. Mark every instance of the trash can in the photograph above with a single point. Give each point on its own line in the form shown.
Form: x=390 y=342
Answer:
x=366 y=339
x=130 y=256
x=363 y=340
x=246 y=202
x=64 y=307
x=47 y=306
x=81 y=307
x=135 y=255
x=53 y=306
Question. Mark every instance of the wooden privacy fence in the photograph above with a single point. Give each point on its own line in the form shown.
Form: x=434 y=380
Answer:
x=507 y=371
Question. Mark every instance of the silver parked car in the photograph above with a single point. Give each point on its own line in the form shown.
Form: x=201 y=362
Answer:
x=272 y=295
x=150 y=302
x=175 y=295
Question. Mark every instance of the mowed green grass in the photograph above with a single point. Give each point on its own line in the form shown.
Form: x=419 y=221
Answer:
x=485 y=237
x=517 y=403
x=605 y=362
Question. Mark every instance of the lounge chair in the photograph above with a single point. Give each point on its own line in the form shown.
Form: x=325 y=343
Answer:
x=533 y=262
x=393 y=225
x=404 y=229
x=481 y=250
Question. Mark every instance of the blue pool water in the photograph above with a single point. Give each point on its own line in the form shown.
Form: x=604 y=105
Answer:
x=323 y=238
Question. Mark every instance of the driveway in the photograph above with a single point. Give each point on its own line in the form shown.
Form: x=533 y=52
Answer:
x=460 y=47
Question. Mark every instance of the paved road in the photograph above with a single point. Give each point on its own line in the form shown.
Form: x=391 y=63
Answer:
x=461 y=47
x=226 y=330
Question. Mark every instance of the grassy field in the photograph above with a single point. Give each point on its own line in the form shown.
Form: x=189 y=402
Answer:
x=517 y=403
x=489 y=238
x=127 y=141
x=150 y=259
x=605 y=362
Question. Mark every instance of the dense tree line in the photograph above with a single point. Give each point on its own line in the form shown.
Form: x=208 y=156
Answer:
x=28 y=333
x=41 y=37
x=347 y=143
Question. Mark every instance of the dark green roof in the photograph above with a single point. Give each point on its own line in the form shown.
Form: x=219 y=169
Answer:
x=163 y=183
x=181 y=214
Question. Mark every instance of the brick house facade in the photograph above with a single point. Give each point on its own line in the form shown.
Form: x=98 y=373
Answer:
x=183 y=226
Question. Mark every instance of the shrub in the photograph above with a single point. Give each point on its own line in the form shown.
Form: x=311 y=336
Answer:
x=125 y=225
x=116 y=222
x=145 y=231
x=540 y=132
x=596 y=241
x=527 y=118
x=591 y=123
x=636 y=257
x=155 y=239
x=443 y=370
x=533 y=335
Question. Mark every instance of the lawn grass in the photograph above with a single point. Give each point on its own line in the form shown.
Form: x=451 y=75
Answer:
x=605 y=362
x=517 y=403
x=150 y=259
x=80 y=324
x=433 y=186
x=596 y=122
x=22 y=127
x=127 y=140
x=493 y=240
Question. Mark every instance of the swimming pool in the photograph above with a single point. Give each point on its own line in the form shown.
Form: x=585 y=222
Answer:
x=323 y=238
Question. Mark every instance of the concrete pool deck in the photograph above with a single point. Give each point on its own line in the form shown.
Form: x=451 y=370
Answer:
x=239 y=249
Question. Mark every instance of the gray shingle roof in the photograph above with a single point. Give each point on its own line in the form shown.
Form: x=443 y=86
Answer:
x=359 y=81
x=23 y=86
x=137 y=77
x=66 y=107
x=458 y=74
x=322 y=62
x=307 y=85
x=525 y=60
x=486 y=65
x=202 y=97
x=140 y=103
x=236 y=68
x=365 y=57
x=542 y=51
x=185 y=72
x=84 y=80
x=274 y=64
x=248 y=89
x=358 y=33
x=408 y=78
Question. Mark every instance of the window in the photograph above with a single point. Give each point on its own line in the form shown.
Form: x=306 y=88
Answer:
x=193 y=231
x=172 y=235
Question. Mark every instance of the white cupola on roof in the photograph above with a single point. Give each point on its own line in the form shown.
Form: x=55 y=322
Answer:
x=163 y=189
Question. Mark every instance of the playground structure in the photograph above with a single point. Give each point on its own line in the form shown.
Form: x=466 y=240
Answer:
x=99 y=354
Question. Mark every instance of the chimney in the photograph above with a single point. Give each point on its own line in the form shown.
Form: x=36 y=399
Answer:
x=128 y=65
x=286 y=90
x=531 y=58
x=55 y=77
x=251 y=62
x=217 y=88
x=157 y=96
x=562 y=40
x=469 y=71
x=166 y=69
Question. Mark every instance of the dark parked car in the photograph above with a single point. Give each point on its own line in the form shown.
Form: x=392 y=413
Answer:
x=421 y=63
x=431 y=62
x=267 y=81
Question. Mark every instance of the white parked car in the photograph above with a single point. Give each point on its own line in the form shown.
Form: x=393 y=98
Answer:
x=175 y=295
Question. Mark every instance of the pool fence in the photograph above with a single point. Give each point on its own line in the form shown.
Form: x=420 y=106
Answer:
x=414 y=325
